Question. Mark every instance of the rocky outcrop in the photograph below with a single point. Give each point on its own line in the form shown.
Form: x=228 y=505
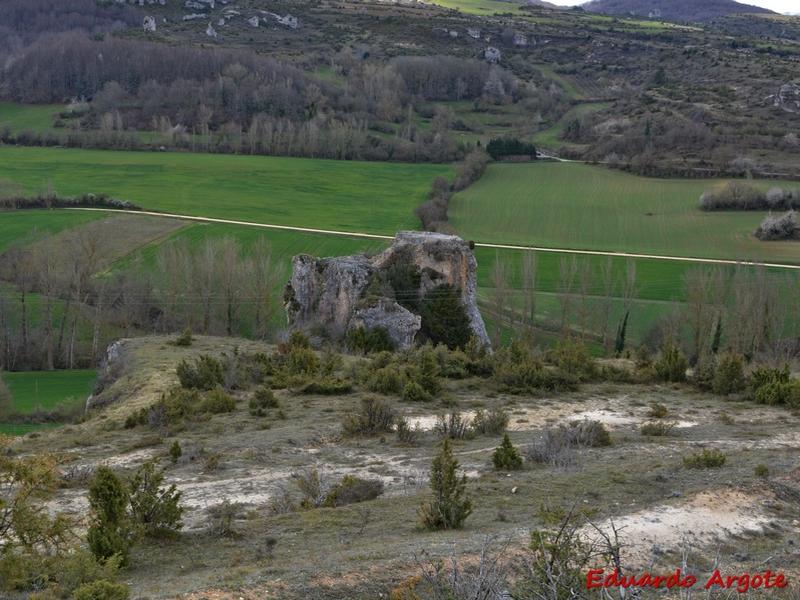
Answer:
x=400 y=323
x=787 y=98
x=333 y=295
x=324 y=292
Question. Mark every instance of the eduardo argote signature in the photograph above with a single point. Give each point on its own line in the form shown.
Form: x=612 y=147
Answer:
x=742 y=582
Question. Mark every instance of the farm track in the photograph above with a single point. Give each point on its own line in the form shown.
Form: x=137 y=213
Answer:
x=354 y=234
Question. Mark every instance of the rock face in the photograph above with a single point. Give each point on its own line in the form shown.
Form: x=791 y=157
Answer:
x=787 y=98
x=333 y=295
x=400 y=323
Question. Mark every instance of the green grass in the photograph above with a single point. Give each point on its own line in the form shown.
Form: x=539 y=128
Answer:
x=576 y=206
x=347 y=195
x=48 y=389
x=24 y=428
x=21 y=117
x=21 y=225
x=551 y=137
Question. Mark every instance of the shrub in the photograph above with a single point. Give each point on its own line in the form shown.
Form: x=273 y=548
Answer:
x=262 y=400
x=369 y=341
x=204 y=374
x=454 y=426
x=705 y=459
x=572 y=357
x=506 y=457
x=704 y=372
x=184 y=339
x=351 y=490
x=658 y=411
x=729 y=375
x=516 y=371
x=302 y=361
x=672 y=364
x=385 y=380
x=734 y=195
x=222 y=517
x=374 y=416
x=656 y=428
x=154 y=509
x=444 y=318
x=761 y=471
x=405 y=434
x=218 y=401
x=502 y=147
x=777 y=227
x=110 y=533
x=327 y=386
x=556 y=445
x=452 y=363
x=492 y=422
x=175 y=451
x=588 y=433
x=309 y=483
x=769 y=386
x=298 y=339
x=776 y=393
x=102 y=590
x=414 y=392
x=449 y=507
x=425 y=371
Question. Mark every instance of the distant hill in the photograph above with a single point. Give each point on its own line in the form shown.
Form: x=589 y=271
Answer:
x=673 y=10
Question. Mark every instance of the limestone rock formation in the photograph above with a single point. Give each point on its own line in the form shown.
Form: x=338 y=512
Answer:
x=400 y=323
x=333 y=295
x=787 y=98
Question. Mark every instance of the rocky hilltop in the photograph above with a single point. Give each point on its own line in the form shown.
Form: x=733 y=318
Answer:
x=331 y=296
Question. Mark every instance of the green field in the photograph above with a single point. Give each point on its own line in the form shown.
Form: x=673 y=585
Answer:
x=551 y=137
x=21 y=117
x=19 y=225
x=370 y=197
x=48 y=389
x=576 y=206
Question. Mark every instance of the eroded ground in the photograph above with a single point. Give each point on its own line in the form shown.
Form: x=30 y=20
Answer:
x=362 y=550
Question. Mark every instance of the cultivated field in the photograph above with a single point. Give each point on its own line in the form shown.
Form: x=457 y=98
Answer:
x=352 y=196
x=45 y=390
x=27 y=225
x=570 y=205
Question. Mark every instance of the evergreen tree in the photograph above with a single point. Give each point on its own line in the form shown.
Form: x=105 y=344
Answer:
x=506 y=457
x=449 y=507
x=717 y=336
x=110 y=533
x=153 y=508
x=619 y=343
x=444 y=319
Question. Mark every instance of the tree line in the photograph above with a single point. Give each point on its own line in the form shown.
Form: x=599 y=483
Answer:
x=210 y=99
x=57 y=312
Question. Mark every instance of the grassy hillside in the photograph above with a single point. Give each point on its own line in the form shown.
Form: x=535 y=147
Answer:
x=570 y=205
x=351 y=196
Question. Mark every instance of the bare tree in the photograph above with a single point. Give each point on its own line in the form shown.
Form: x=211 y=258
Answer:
x=568 y=268
x=606 y=303
x=529 y=292
x=500 y=293
x=263 y=276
